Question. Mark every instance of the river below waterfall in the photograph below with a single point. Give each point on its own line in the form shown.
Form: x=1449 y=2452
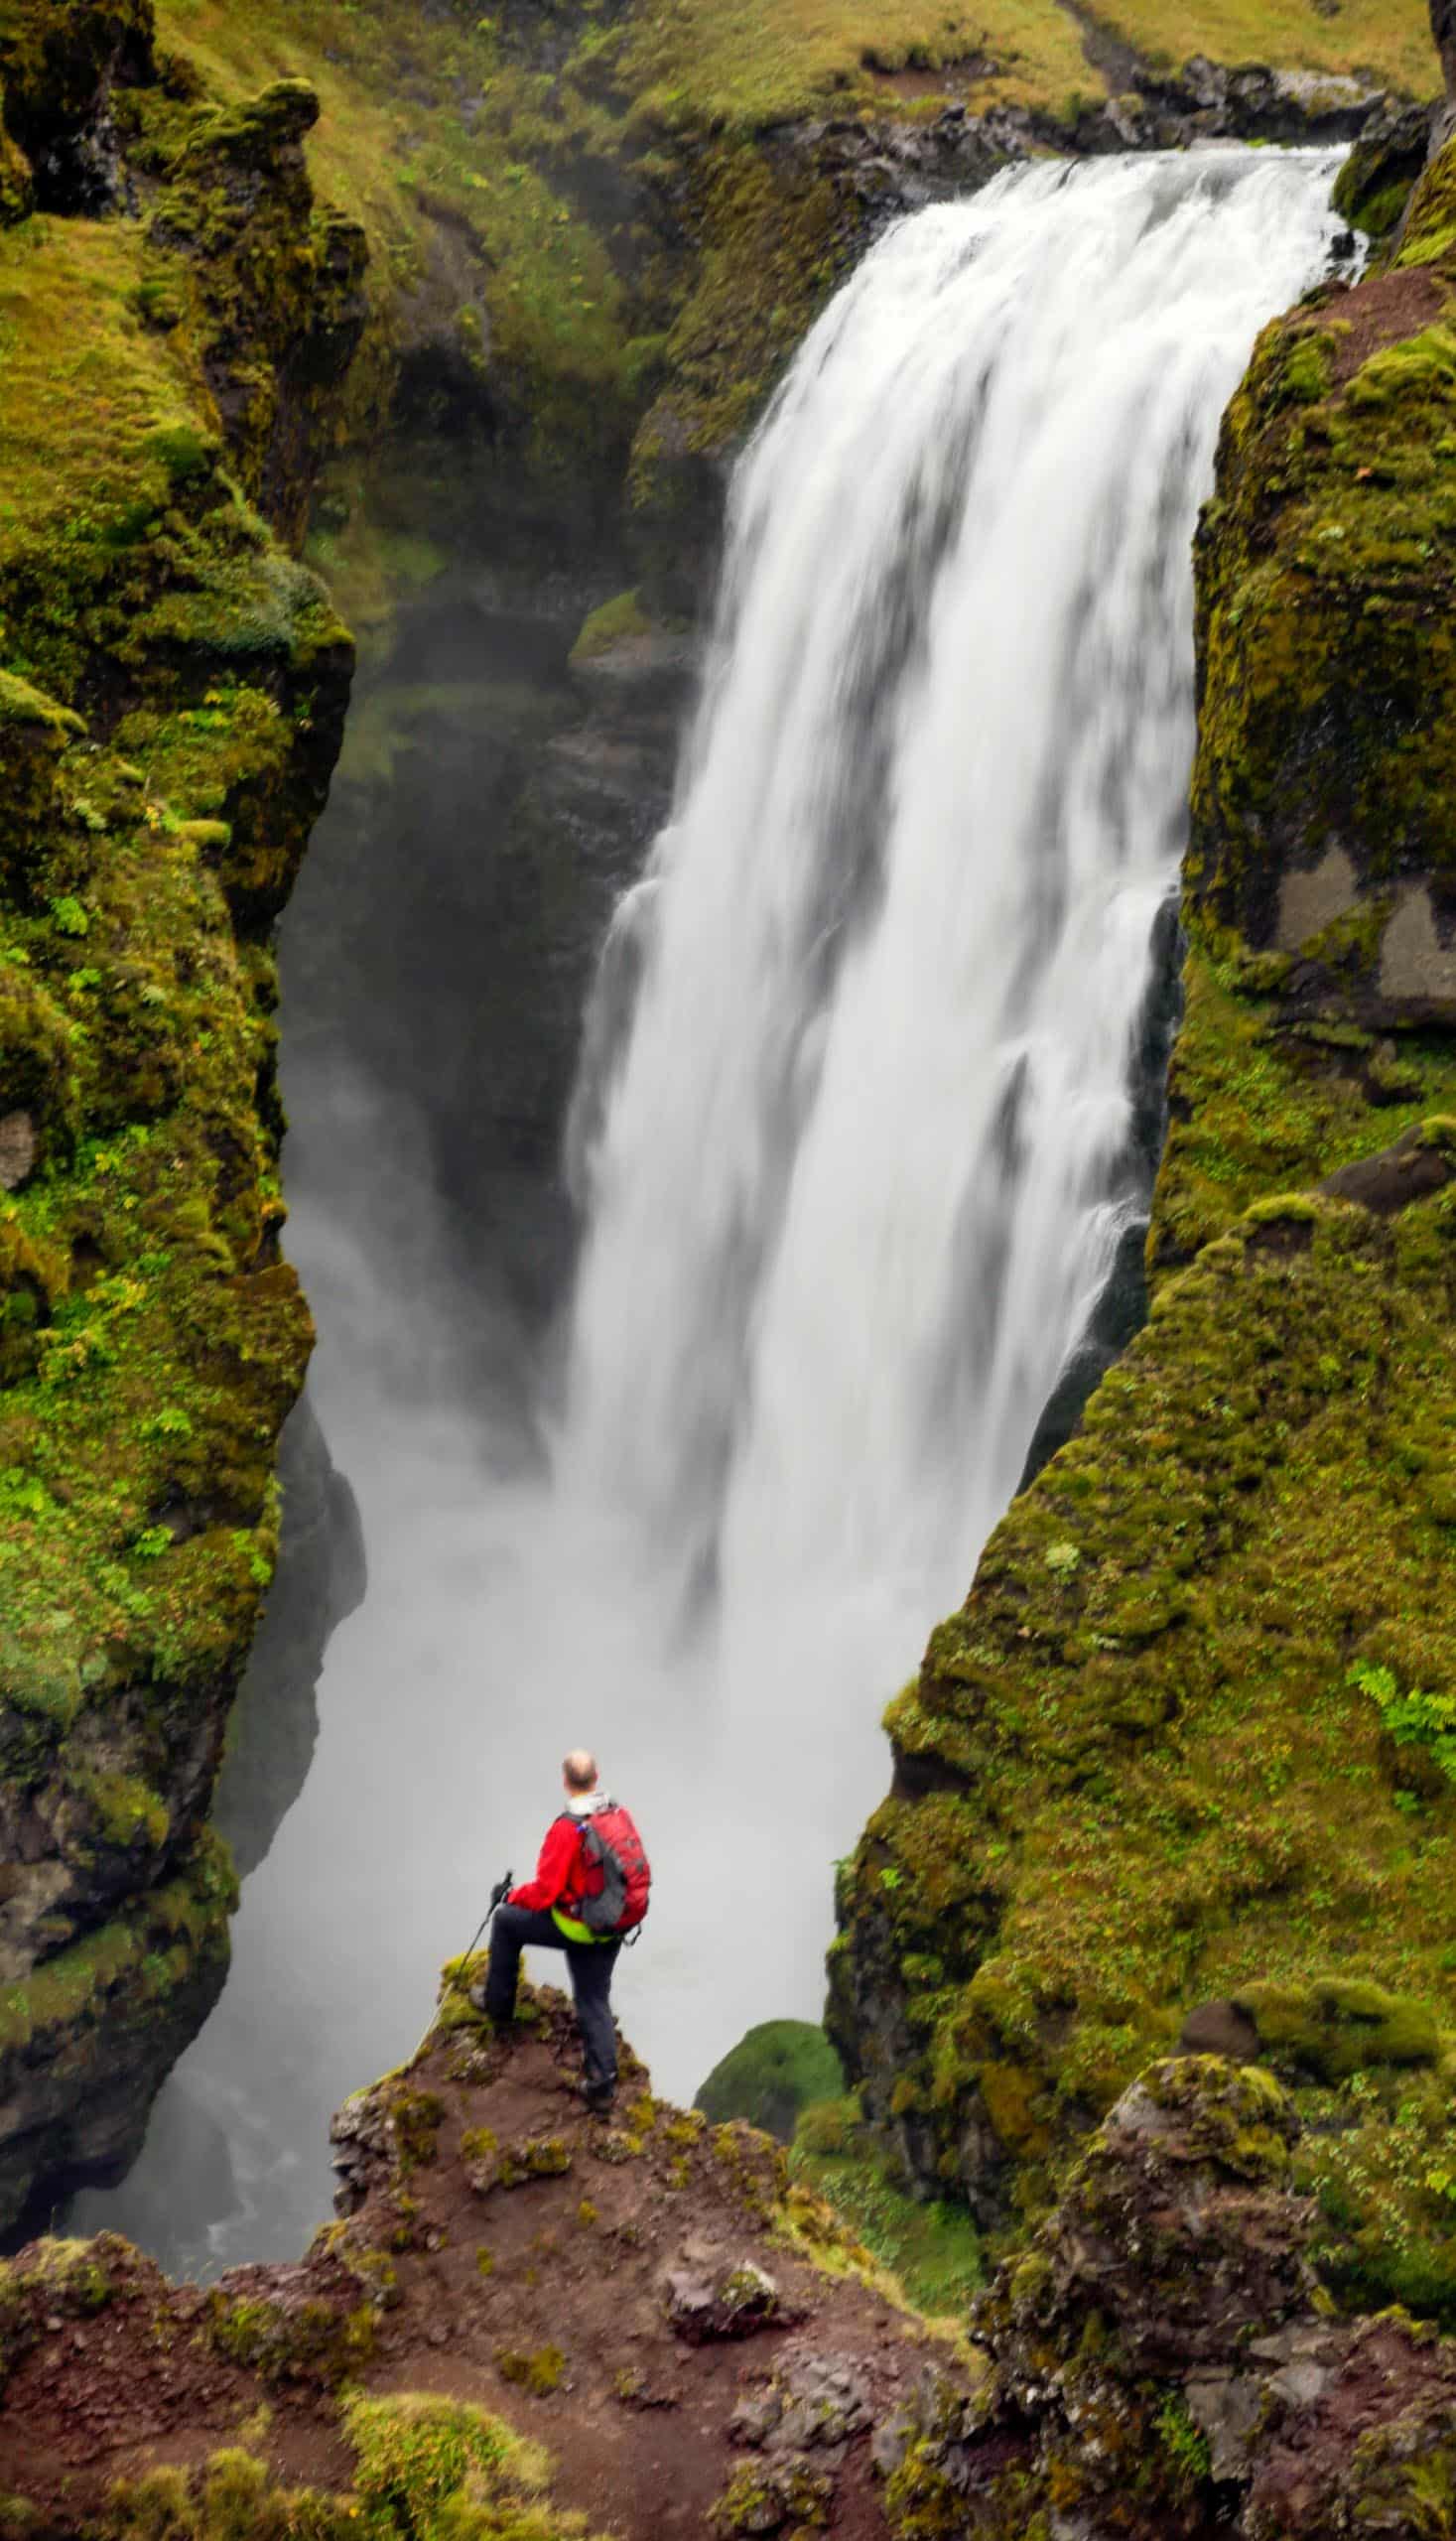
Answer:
x=854 y=1150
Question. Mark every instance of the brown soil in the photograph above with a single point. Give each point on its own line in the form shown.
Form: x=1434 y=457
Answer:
x=638 y=2421
x=952 y=79
x=1382 y=309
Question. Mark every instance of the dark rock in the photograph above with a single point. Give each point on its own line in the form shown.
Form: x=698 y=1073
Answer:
x=1374 y=185
x=1422 y=1160
x=1162 y=2355
x=320 y=1579
x=707 y=2295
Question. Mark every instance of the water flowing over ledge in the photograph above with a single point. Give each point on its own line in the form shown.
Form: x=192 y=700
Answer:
x=854 y=1147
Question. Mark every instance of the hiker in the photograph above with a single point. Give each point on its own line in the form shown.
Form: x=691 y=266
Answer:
x=590 y=1891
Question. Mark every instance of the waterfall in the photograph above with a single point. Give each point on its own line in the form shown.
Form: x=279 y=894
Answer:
x=854 y=1149
x=854 y=1144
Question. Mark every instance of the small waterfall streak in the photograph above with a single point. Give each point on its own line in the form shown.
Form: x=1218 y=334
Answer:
x=854 y=1183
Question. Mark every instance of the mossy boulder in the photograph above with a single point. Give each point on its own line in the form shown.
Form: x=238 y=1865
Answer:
x=1327 y=676
x=1244 y=1501
x=1160 y=2358
x=773 y=2073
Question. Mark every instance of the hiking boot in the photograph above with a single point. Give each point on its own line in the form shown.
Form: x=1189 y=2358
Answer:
x=598 y=2096
x=501 y=2024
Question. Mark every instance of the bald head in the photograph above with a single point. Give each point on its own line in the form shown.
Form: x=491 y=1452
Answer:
x=579 y=1769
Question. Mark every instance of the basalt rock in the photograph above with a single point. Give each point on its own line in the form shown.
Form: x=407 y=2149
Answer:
x=1162 y=2362
x=168 y=728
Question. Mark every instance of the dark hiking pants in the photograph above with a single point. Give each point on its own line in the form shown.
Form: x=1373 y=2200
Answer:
x=517 y=1927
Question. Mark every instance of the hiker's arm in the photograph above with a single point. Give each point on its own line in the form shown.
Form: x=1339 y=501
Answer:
x=557 y=1855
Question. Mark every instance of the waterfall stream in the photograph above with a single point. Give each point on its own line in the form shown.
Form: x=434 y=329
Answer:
x=853 y=1145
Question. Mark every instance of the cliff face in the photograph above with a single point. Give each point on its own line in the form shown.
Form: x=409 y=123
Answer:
x=705 y=2351
x=1183 y=1762
x=175 y=319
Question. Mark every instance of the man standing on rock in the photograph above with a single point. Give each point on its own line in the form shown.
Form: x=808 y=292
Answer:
x=590 y=1891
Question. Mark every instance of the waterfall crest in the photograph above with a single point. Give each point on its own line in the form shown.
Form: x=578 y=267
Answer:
x=856 y=1181
x=859 y=1157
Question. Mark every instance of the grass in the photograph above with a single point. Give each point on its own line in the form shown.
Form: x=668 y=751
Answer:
x=931 y=2246
x=87 y=386
x=1386 y=39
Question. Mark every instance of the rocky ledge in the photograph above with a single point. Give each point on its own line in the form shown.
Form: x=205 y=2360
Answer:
x=705 y=2351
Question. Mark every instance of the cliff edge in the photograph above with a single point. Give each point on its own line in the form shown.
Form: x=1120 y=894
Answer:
x=527 y=2320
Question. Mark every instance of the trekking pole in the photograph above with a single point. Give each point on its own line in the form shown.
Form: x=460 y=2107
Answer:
x=498 y=1896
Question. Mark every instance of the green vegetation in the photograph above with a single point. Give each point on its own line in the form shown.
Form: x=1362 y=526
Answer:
x=610 y=624
x=172 y=688
x=1423 y=1722
x=772 y=2074
x=425 y=2469
x=68 y=2280
x=1056 y=1922
x=538 y=2371
x=931 y=2245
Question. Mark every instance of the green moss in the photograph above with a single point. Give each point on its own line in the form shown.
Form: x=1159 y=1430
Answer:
x=414 y=2121
x=1260 y=1103
x=772 y=2074
x=1329 y=679
x=611 y=624
x=1235 y=1540
x=538 y=2371
x=1338 y=2027
x=53 y=2281
x=121 y=1969
x=282 y=2342
x=764 y=2497
x=424 y=2468
x=931 y=2246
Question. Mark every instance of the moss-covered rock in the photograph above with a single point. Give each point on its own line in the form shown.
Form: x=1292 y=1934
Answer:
x=771 y=2075
x=1161 y=2361
x=61 y=62
x=172 y=691
x=1250 y=1497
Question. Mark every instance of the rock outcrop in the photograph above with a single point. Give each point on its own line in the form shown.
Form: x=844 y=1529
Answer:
x=1162 y=2359
x=697 y=2342
x=705 y=2351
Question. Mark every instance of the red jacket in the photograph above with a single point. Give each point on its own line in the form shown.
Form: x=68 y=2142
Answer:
x=554 y=1871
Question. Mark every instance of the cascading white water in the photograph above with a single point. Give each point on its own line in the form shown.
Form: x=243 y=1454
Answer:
x=858 y=1155
x=852 y=1142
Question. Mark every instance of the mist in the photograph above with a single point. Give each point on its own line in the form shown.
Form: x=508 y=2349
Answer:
x=689 y=1478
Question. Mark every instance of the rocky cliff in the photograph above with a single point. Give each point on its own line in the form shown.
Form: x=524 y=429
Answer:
x=177 y=316
x=1183 y=1766
x=703 y=2352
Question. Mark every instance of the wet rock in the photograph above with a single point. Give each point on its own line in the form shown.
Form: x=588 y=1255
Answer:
x=1374 y=185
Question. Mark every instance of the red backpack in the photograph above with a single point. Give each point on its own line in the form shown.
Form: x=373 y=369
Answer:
x=613 y=1875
